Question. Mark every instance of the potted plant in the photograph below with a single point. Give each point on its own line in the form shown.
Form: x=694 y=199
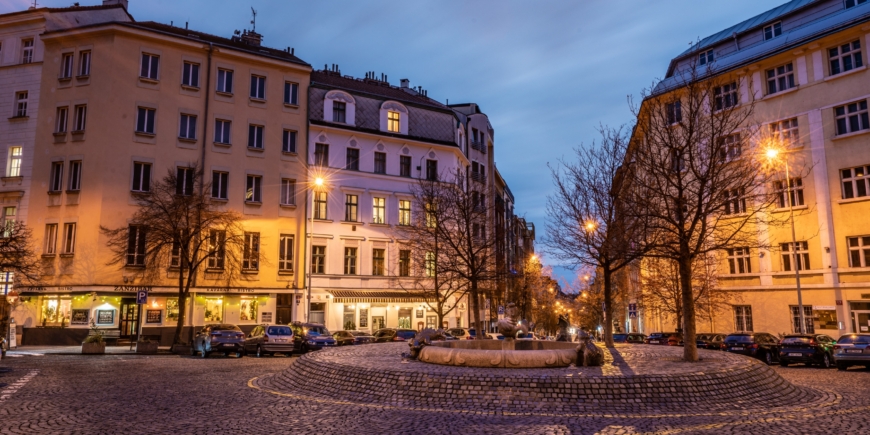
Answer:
x=94 y=343
x=146 y=346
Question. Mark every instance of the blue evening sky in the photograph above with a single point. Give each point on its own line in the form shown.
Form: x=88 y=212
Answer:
x=546 y=72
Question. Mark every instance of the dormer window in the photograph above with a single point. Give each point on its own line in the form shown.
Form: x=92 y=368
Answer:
x=394 y=117
x=773 y=30
x=339 y=107
x=339 y=112
x=393 y=121
x=853 y=3
x=705 y=57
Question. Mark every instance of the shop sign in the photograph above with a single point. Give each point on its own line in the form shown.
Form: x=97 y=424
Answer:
x=39 y=289
x=153 y=316
x=824 y=307
x=865 y=295
x=266 y=317
x=79 y=317
x=131 y=289
x=105 y=317
x=227 y=290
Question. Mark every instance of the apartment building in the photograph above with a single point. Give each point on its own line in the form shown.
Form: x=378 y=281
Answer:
x=804 y=65
x=155 y=99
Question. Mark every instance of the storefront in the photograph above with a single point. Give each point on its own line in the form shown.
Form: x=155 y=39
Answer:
x=370 y=310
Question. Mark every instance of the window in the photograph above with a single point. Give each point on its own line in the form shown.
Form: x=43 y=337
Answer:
x=75 y=176
x=184 y=181
x=432 y=170
x=145 y=120
x=405 y=318
x=214 y=310
x=172 y=309
x=225 y=81
x=855 y=182
x=730 y=147
x=352 y=159
x=380 y=163
x=8 y=220
x=291 y=93
x=84 y=63
x=150 y=66
x=321 y=154
x=258 y=87
x=219 y=182
x=50 y=239
x=378 y=258
x=378 y=210
x=393 y=121
x=726 y=96
x=743 y=318
x=21 y=104
x=772 y=31
x=288 y=191
x=190 y=74
x=738 y=260
x=350 y=208
x=175 y=258
x=853 y=3
x=705 y=57
x=141 y=177
x=216 y=246
x=318 y=260
x=430 y=264
x=405 y=166
x=859 y=251
x=809 y=328
x=789 y=251
x=678 y=163
x=13 y=165
x=222 y=131
x=735 y=202
x=289 y=141
x=81 y=118
x=785 y=132
x=251 y=253
x=187 y=129
x=350 y=261
x=285 y=253
x=56 y=181
x=404 y=212
x=405 y=262
x=61 y=121
x=431 y=218
x=320 y=205
x=136 y=246
x=27 y=51
x=791 y=195
x=780 y=78
x=317 y=312
x=253 y=189
x=852 y=117
x=255 y=136
x=66 y=66
x=845 y=57
x=338 y=111
x=69 y=238
x=675 y=112
x=248 y=307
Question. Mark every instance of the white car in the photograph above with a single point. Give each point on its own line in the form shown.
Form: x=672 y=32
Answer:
x=494 y=336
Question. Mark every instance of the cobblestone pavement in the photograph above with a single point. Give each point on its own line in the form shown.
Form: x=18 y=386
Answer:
x=65 y=394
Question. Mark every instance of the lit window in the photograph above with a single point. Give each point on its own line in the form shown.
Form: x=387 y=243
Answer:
x=9 y=214
x=393 y=121
x=404 y=212
x=430 y=264
x=13 y=167
x=248 y=307
x=216 y=249
x=214 y=309
x=378 y=210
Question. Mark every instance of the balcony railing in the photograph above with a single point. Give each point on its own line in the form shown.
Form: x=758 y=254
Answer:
x=478 y=145
x=477 y=176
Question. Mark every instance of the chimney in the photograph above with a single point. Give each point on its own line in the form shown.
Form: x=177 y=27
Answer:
x=251 y=37
x=123 y=3
x=405 y=83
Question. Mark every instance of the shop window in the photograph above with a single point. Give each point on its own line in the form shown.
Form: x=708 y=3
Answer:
x=172 y=309
x=349 y=321
x=431 y=322
x=317 y=313
x=363 y=317
x=214 y=309
x=55 y=311
x=825 y=319
x=405 y=318
x=248 y=309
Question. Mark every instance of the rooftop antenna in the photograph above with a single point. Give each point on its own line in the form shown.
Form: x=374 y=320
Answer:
x=34 y=5
x=254 y=21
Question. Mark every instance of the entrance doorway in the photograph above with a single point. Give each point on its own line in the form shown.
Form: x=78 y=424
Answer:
x=378 y=323
x=129 y=318
x=860 y=316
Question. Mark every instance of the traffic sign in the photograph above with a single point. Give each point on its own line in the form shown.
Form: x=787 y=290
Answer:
x=632 y=314
x=142 y=297
x=501 y=310
x=632 y=307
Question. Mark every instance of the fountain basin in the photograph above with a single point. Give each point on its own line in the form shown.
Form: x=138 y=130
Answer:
x=501 y=353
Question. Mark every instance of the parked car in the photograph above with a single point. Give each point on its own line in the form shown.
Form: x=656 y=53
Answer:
x=808 y=349
x=759 y=345
x=386 y=335
x=664 y=338
x=463 y=333
x=495 y=336
x=712 y=341
x=269 y=340
x=630 y=338
x=449 y=336
x=343 y=338
x=220 y=338
x=310 y=336
x=361 y=337
x=852 y=349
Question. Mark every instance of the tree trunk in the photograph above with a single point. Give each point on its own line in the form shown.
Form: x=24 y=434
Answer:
x=179 y=326
x=608 y=308
x=690 y=346
x=4 y=317
x=474 y=306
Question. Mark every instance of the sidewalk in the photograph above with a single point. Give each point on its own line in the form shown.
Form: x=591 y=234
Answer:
x=76 y=350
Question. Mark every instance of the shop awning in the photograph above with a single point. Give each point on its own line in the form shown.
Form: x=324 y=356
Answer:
x=376 y=296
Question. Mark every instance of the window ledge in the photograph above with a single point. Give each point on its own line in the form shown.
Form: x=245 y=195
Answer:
x=48 y=255
x=78 y=132
x=851 y=200
x=18 y=118
x=257 y=100
x=250 y=271
x=259 y=150
x=59 y=134
x=224 y=94
x=257 y=203
x=289 y=206
x=145 y=134
x=70 y=255
x=853 y=269
x=214 y=270
x=186 y=139
x=222 y=144
x=18 y=178
x=83 y=77
x=149 y=80
x=139 y=192
x=786 y=209
x=64 y=79
x=291 y=106
x=54 y=192
x=780 y=93
x=69 y=191
x=219 y=199
x=289 y=153
x=190 y=88
x=852 y=134
x=134 y=266
x=326 y=221
x=352 y=223
x=380 y=225
x=286 y=272
x=843 y=74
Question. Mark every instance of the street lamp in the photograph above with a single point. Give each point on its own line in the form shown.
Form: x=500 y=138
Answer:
x=772 y=154
x=318 y=183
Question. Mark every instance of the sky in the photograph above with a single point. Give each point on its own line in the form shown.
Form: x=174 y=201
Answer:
x=546 y=72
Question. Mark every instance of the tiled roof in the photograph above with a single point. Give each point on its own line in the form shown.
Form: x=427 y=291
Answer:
x=374 y=88
x=67 y=9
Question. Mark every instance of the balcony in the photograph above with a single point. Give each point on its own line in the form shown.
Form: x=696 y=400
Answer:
x=479 y=177
x=478 y=145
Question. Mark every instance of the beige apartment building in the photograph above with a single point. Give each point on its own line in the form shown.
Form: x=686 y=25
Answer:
x=804 y=64
x=159 y=98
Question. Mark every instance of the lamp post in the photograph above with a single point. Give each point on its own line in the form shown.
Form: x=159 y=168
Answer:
x=318 y=182
x=772 y=154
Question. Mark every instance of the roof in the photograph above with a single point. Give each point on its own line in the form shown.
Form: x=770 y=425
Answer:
x=67 y=9
x=380 y=132
x=375 y=88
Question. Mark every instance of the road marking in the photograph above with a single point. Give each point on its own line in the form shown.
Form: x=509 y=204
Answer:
x=15 y=386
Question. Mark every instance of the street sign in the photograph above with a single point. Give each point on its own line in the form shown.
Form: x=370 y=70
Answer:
x=632 y=314
x=632 y=307
x=142 y=297
x=501 y=310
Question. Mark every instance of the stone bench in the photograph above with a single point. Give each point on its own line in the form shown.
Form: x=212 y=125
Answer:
x=108 y=334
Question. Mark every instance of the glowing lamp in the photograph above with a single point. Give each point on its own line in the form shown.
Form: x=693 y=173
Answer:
x=12 y=296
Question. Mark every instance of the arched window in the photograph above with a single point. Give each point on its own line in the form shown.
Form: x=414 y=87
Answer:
x=340 y=107
x=394 y=117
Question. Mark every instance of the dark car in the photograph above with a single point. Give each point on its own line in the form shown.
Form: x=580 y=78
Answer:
x=269 y=340
x=630 y=338
x=712 y=341
x=463 y=333
x=343 y=338
x=759 y=345
x=361 y=337
x=810 y=349
x=220 y=338
x=664 y=338
x=311 y=336
x=393 y=334
x=852 y=349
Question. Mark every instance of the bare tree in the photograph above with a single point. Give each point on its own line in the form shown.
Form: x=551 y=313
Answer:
x=178 y=227
x=18 y=257
x=589 y=226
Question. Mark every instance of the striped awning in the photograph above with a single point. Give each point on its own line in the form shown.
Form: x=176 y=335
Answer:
x=376 y=296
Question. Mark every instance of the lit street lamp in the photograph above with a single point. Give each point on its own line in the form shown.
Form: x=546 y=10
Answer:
x=318 y=183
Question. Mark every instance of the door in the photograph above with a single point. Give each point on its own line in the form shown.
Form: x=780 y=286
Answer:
x=129 y=318
x=378 y=322
x=861 y=321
